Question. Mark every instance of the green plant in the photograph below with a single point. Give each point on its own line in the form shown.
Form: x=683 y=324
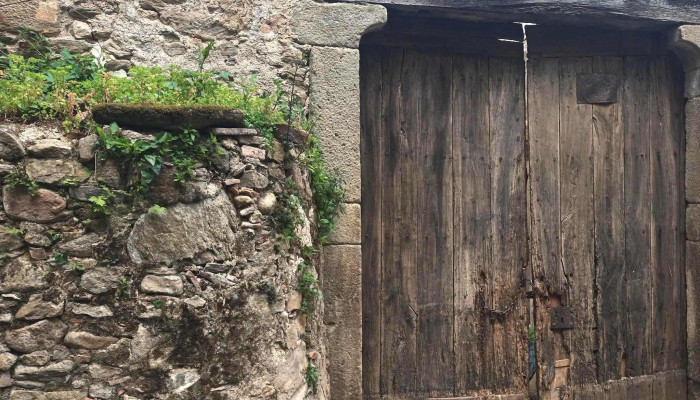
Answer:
x=308 y=286
x=312 y=376
x=327 y=190
x=15 y=231
x=53 y=235
x=308 y=252
x=101 y=203
x=123 y=288
x=4 y=58
x=287 y=215
x=36 y=44
x=19 y=178
x=60 y=259
x=184 y=149
x=156 y=209
x=203 y=54
x=157 y=304
x=77 y=268
x=64 y=86
x=69 y=182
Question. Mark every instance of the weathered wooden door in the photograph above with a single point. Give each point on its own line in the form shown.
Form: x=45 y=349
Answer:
x=486 y=210
x=606 y=146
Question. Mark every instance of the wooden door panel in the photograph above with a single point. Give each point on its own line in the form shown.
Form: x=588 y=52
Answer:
x=432 y=175
x=506 y=308
x=399 y=217
x=371 y=92
x=447 y=259
x=637 y=130
x=667 y=217
x=472 y=227
x=449 y=180
x=608 y=165
x=606 y=221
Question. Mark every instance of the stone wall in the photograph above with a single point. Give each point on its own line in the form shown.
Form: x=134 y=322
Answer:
x=252 y=37
x=264 y=38
x=196 y=301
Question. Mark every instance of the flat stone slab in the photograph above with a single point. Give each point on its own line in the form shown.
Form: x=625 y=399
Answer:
x=169 y=117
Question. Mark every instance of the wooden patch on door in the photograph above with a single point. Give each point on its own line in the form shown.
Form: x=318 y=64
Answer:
x=597 y=88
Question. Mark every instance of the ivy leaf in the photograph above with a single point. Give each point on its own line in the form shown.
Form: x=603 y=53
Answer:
x=151 y=158
x=114 y=128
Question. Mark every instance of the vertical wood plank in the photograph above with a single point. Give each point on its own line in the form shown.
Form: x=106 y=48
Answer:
x=577 y=224
x=509 y=229
x=370 y=149
x=608 y=149
x=679 y=355
x=665 y=223
x=401 y=115
x=472 y=222
x=641 y=387
x=637 y=329
x=679 y=382
x=588 y=392
x=434 y=182
x=549 y=280
x=616 y=390
x=663 y=386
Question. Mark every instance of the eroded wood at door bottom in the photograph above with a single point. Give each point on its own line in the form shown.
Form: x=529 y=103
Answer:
x=668 y=385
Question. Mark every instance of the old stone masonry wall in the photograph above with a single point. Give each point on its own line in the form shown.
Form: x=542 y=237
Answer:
x=198 y=301
x=252 y=37
x=195 y=299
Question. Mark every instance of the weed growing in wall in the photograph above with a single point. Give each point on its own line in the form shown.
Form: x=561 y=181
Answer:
x=184 y=149
x=18 y=177
x=327 y=189
x=312 y=377
x=308 y=287
x=287 y=215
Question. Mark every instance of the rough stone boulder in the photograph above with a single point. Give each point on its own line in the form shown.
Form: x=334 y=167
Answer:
x=56 y=171
x=100 y=280
x=10 y=147
x=80 y=247
x=52 y=372
x=21 y=274
x=51 y=148
x=156 y=116
x=9 y=241
x=86 y=340
x=164 y=190
x=168 y=285
x=201 y=232
x=40 y=306
x=45 y=206
x=39 y=336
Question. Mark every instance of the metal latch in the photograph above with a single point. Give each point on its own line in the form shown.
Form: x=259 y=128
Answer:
x=561 y=318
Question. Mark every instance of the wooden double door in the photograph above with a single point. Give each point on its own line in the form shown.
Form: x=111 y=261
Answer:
x=523 y=223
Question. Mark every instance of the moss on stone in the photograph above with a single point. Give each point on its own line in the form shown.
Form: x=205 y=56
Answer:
x=168 y=117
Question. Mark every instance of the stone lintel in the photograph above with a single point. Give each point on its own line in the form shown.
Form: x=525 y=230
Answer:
x=335 y=24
